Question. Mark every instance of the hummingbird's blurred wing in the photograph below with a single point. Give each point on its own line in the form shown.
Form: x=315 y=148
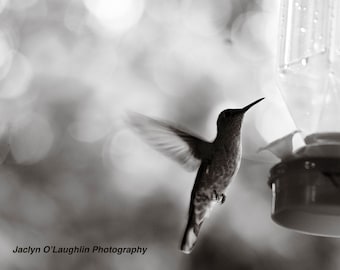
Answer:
x=180 y=145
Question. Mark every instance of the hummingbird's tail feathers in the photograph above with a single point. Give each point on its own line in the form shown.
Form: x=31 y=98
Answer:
x=190 y=238
x=199 y=211
x=178 y=144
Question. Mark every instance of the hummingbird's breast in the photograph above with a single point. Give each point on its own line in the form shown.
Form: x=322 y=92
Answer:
x=227 y=158
x=224 y=164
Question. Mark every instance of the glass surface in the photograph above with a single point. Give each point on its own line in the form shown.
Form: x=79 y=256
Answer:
x=308 y=63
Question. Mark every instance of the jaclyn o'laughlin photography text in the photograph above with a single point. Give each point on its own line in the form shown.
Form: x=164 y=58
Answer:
x=79 y=249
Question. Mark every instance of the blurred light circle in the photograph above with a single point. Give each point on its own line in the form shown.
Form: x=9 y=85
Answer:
x=19 y=4
x=9 y=186
x=163 y=10
x=36 y=208
x=115 y=15
x=74 y=18
x=122 y=144
x=17 y=78
x=70 y=189
x=206 y=18
x=145 y=102
x=31 y=137
x=177 y=70
x=135 y=162
x=47 y=53
x=199 y=23
x=270 y=6
x=132 y=154
x=6 y=55
x=90 y=127
x=172 y=75
x=254 y=35
x=3 y=4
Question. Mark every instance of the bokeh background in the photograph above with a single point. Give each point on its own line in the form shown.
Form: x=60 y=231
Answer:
x=73 y=173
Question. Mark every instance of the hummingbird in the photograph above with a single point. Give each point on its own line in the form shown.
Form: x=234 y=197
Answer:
x=217 y=161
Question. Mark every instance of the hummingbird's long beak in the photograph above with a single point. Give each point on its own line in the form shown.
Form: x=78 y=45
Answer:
x=246 y=108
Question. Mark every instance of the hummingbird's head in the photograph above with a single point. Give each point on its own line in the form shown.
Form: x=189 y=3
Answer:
x=234 y=116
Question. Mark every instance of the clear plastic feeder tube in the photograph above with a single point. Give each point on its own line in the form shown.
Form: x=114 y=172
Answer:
x=309 y=63
x=306 y=185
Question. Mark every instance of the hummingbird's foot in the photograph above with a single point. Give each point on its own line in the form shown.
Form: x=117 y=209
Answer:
x=223 y=198
x=220 y=198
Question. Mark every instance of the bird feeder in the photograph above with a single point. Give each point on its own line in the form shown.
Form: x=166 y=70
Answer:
x=306 y=184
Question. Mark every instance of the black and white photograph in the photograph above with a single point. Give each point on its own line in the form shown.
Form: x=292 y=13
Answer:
x=170 y=134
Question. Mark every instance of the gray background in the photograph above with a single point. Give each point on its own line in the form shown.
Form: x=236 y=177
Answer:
x=74 y=174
